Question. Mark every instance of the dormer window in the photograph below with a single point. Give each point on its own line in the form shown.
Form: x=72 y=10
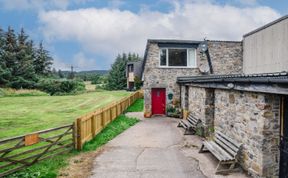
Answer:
x=178 y=57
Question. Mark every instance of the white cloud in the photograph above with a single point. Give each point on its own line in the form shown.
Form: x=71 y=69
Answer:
x=38 y=5
x=82 y=62
x=110 y=31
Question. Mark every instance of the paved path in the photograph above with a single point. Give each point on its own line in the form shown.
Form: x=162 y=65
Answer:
x=149 y=149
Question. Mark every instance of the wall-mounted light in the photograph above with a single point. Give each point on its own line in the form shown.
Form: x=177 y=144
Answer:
x=230 y=85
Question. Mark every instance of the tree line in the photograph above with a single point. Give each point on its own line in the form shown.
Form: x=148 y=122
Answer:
x=22 y=63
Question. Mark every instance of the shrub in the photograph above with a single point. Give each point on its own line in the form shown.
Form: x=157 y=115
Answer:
x=61 y=87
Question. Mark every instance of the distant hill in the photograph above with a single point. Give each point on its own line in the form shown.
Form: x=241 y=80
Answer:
x=101 y=72
x=89 y=72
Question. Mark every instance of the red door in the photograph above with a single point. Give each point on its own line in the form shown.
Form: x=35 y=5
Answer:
x=158 y=101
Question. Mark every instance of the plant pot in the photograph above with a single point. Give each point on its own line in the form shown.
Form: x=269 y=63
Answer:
x=147 y=114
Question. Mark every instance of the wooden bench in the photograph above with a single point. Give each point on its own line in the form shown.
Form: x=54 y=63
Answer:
x=224 y=149
x=189 y=124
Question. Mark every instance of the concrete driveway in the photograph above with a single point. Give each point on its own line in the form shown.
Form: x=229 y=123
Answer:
x=151 y=148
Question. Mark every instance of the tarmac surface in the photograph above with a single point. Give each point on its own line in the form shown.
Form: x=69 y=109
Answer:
x=150 y=149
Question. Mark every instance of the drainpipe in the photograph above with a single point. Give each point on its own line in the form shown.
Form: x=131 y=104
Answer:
x=209 y=61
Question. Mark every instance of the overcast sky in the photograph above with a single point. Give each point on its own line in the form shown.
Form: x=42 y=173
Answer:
x=88 y=34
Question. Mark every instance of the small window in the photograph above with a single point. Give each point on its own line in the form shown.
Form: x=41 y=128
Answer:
x=178 y=57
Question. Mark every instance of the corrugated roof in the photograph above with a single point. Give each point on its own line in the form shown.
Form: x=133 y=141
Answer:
x=279 y=77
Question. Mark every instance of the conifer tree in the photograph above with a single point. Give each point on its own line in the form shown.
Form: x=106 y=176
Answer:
x=117 y=75
x=43 y=61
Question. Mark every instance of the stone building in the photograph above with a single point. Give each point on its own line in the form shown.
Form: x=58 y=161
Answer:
x=239 y=88
x=133 y=73
x=164 y=60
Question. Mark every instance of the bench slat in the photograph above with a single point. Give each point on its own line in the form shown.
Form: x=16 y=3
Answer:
x=225 y=147
x=192 y=122
x=228 y=139
x=218 y=151
x=227 y=143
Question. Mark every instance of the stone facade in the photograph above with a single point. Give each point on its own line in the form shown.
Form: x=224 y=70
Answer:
x=201 y=105
x=254 y=120
x=226 y=59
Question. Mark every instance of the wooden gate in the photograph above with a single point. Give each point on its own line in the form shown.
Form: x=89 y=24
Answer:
x=23 y=151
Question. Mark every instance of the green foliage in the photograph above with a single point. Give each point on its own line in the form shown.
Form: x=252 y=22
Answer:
x=43 y=61
x=45 y=169
x=138 y=82
x=21 y=64
x=9 y=92
x=117 y=75
x=137 y=106
x=61 y=87
x=113 y=129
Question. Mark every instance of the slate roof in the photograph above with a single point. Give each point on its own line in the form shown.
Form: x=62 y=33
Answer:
x=264 y=78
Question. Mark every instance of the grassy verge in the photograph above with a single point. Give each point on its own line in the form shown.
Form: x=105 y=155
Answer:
x=138 y=106
x=50 y=167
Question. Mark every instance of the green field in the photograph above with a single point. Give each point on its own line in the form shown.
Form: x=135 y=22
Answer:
x=22 y=115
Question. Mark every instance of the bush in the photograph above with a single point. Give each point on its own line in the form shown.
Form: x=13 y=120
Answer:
x=61 y=87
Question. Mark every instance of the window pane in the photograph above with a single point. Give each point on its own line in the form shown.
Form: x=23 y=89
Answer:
x=177 y=57
x=191 y=57
x=163 y=57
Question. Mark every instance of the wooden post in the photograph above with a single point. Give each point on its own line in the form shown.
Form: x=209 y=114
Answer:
x=79 y=134
x=93 y=125
x=74 y=134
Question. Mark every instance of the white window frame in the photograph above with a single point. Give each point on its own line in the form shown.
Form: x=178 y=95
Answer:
x=179 y=67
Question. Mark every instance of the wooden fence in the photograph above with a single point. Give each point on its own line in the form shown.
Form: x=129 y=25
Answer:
x=90 y=125
x=23 y=151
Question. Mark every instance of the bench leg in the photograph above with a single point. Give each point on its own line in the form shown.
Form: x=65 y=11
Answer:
x=202 y=149
x=229 y=170
x=179 y=125
x=189 y=132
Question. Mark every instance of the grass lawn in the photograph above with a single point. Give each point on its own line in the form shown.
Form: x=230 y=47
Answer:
x=138 y=106
x=21 y=115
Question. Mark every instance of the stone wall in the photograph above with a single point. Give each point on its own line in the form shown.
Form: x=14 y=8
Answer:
x=226 y=59
x=201 y=105
x=156 y=77
x=252 y=119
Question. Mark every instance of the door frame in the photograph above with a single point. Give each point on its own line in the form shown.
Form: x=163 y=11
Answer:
x=164 y=100
x=283 y=138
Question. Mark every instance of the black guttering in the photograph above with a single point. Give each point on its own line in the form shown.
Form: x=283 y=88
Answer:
x=267 y=78
x=265 y=26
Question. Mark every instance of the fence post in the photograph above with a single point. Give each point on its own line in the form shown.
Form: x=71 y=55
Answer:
x=93 y=125
x=79 y=134
x=74 y=134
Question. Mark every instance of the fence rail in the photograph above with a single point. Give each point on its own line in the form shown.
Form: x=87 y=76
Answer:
x=23 y=151
x=19 y=152
x=90 y=125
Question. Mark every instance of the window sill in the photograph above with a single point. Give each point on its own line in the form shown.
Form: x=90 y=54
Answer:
x=172 y=67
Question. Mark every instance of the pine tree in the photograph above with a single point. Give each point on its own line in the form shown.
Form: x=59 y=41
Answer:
x=24 y=76
x=117 y=75
x=9 y=59
x=60 y=74
x=43 y=61
x=5 y=74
